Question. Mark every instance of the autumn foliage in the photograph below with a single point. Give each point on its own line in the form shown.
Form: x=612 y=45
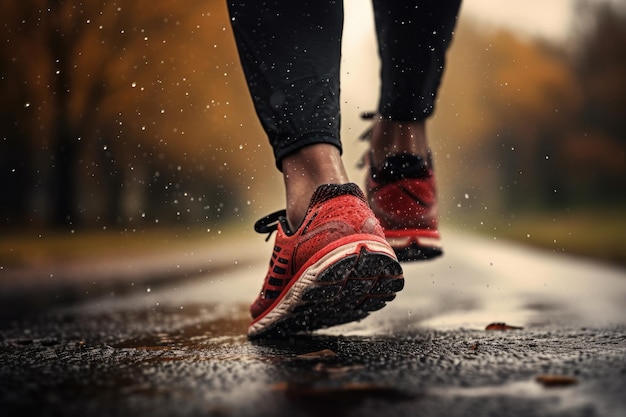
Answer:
x=122 y=113
x=524 y=124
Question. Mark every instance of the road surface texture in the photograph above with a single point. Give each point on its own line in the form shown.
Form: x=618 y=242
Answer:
x=489 y=329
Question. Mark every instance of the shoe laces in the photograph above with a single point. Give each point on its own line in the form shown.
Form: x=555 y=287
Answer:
x=269 y=223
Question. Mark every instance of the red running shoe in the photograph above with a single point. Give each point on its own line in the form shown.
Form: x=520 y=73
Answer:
x=335 y=268
x=402 y=195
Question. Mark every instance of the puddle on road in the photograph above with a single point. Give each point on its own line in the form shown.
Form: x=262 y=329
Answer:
x=204 y=330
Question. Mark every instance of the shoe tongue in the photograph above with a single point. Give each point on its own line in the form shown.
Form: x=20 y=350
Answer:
x=327 y=191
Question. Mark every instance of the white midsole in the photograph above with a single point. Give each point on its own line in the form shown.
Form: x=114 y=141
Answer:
x=401 y=242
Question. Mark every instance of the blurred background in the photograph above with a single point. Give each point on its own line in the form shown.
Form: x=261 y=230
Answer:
x=128 y=125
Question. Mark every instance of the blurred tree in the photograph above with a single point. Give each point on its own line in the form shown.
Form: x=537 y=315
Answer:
x=529 y=125
x=535 y=102
x=600 y=68
x=116 y=112
x=506 y=101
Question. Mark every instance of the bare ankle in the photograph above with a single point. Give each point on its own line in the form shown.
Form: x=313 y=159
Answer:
x=304 y=171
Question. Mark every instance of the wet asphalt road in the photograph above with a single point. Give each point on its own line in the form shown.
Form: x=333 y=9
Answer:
x=178 y=348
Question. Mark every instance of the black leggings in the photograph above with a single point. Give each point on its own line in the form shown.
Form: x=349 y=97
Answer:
x=290 y=51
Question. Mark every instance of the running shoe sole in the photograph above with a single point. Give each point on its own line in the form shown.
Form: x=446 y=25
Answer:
x=343 y=286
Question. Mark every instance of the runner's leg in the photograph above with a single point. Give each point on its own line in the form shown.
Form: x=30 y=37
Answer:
x=290 y=52
x=413 y=37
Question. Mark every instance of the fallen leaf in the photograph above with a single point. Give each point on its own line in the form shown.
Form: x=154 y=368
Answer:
x=280 y=386
x=336 y=370
x=556 y=380
x=320 y=354
x=502 y=326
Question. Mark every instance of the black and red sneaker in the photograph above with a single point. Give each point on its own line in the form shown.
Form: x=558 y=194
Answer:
x=335 y=268
x=403 y=196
